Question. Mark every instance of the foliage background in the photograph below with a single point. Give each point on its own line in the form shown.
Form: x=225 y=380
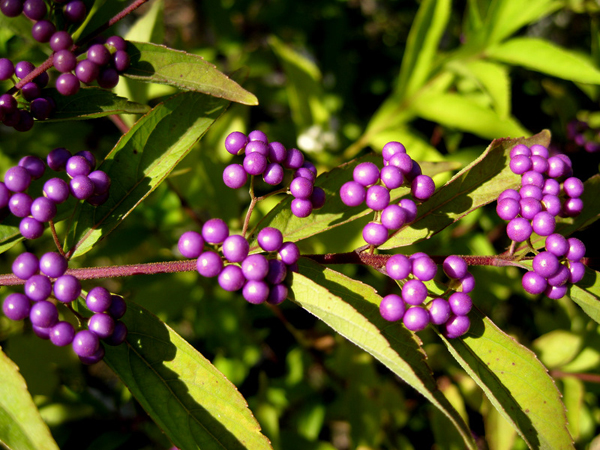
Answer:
x=322 y=69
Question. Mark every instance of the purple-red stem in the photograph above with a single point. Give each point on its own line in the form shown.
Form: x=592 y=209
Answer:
x=362 y=258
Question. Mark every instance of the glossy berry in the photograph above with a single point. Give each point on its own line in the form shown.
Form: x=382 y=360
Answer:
x=102 y=325
x=534 y=283
x=439 y=311
x=19 y=204
x=118 y=336
x=98 y=299
x=57 y=159
x=87 y=71
x=543 y=223
x=53 y=264
x=391 y=148
x=277 y=153
x=273 y=174
x=43 y=209
x=43 y=30
x=255 y=267
x=75 y=11
x=301 y=207
x=545 y=264
x=424 y=268
x=416 y=318
x=377 y=198
x=231 y=278
x=191 y=244
x=414 y=292
x=17 y=179
x=392 y=307
x=67 y=84
x=576 y=271
x=7 y=69
x=235 y=248
x=289 y=253
x=318 y=197
x=57 y=190
x=375 y=233
x=234 y=176
x=398 y=267
x=393 y=217
x=520 y=164
x=209 y=264
x=467 y=283
x=366 y=174
x=64 y=61
x=529 y=207
x=277 y=294
x=66 y=288
x=460 y=303
x=43 y=314
x=422 y=187
x=117 y=42
x=555 y=292
x=16 y=306
x=81 y=187
x=301 y=188
x=62 y=334
x=520 y=149
x=391 y=177
x=31 y=228
x=410 y=208
x=456 y=326
x=294 y=159
x=61 y=40
x=455 y=267
x=256 y=291
x=519 y=229
x=215 y=231
x=270 y=239
x=118 y=307
x=576 y=249
x=38 y=288
x=277 y=272
x=560 y=277
x=98 y=54
x=572 y=207
x=235 y=142
x=557 y=244
x=255 y=163
x=25 y=266
x=509 y=193
x=85 y=343
x=352 y=193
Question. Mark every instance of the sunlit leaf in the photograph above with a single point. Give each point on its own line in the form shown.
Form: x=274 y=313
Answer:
x=189 y=399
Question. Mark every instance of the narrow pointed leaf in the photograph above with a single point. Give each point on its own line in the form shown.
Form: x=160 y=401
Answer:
x=153 y=63
x=543 y=56
x=142 y=159
x=422 y=44
x=495 y=81
x=352 y=309
x=515 y=382
x=586 y=294
x=456 y=111
x=476 y=185
x=334 y=213
x=21 y=426
x=90 y=103
x=189 y=399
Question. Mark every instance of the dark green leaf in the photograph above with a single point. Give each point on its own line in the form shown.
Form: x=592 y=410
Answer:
x=476 y=185
x=516 y=383
x=586 y=294
x=189 y=399
x=352 y=309
x=422 y=44
x=543 y=56
x=158 y=64
x=142 y=160
x=90 y=103
x=21 y=426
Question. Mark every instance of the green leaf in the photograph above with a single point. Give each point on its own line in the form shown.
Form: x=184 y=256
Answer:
x=457 y=111
x=188 y=398
x=543 y=56
x=421 y=46
x=9 y=233
x=352 y=309
x=586 y=294
x=495 y=81
x=158 y=64
x=303 y=86
x=476 y=185
x=90 y=103
x=21 y=426
x=504 y=17
x=142 y=159
x=334 y=213
x=516 y=383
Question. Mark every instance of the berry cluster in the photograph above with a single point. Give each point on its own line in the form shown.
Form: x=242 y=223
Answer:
x=449 y=310
x=373 y=186
x=104 y=60
x=261 y=278
x=584 y=136
x=47 y=285
x=270 y=159
x=85 y=184
x=547 y=190
x=534 y=207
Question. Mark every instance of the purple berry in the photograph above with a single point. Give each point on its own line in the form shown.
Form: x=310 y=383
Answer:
x=557 y=244
x=576 y=249
x=456 y=326
x=392 y=308
x=439 y=311
x=520 y=149
x=108 y=78
x=255 y=163
x=67 y=288
x=7 y=69
x=414 y=292
x=256 y=291
x=375 y=233
x=366 y=174
x=98 y=299
x=455 y=267
x=301 y=207
x=520 y=164
x=270 y=239
x=235 y=142
x=410 y=208
x=81 y=187
x=422 y=187
x=543 y=223
x=416 y=318
x=560 y=277
x=16 y=306
x=234 y=176
x=539 y=150
x=519 y=229
x=534 y=178
x=231 y=278
x=102 y=325
x=61 y=40
x=255 y=267
x=555 y=292
x=277 y=152
x=43 y=209
x=398 y=267
x=289 y=253
x=467 y=283
x=43 y=30
x=277 y=294
x=352 y=193
x=545 y=264
x=101 y=181
x=235 y=248
x=552 y=204
x=62 y=334
x=556 y=167
x=67 y=84
x=273 y=174
x=509 y=193
x=43 y=314
x=539 y=164
x=57 y=190
x=393 y=217
x=573 y=187
x=305 y=173
x=17 y=179
x=215 y=231
x=402 y=161
x=20 y=204
x=551 y=186
x=31 y=228
x=191 y=244
x=534 y=283
x=572 y=207
x=460 y=303
x=392 y=148
x=98 y=54
x=85 y=343
x=377 y=198
x=277 y=272
x=209 y=264
x=118 y=336
x=53 y=264
x=318 y=197
x=118 y=307
x=25 y=266
x=531 y=191
x=529 y=207
x=75 y=11
x=117 y=42
x=576 y=271
x=294 y=159
x=301 y=188
x=38 y=288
